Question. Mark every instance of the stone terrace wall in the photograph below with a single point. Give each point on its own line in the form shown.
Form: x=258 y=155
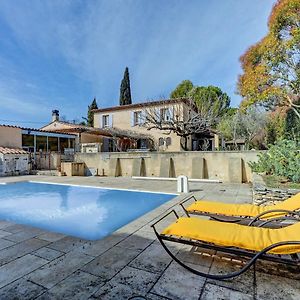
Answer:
x=223 y=165
x=267 y=196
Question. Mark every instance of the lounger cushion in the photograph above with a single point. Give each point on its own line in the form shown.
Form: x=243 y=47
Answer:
x=235 y=235
x=244 y=210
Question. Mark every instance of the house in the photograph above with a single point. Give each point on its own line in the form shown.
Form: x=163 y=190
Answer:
x=91 y=139
x=133 y=118
x=46 y=149
x=35 y=140
x=84 y=134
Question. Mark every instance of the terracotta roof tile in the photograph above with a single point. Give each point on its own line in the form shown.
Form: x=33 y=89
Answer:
x=6 y=150
x=29 y=129
x=143 y=104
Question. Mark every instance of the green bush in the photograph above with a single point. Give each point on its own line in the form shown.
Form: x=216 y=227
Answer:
x=282 y=159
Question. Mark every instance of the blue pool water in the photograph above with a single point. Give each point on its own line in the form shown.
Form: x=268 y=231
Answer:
x=90 y=213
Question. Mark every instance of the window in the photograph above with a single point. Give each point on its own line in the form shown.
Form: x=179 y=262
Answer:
x=52 y=143
x=63 y=143
x=105 y=121
x=137 y=118
x=160 y=142
x=165 y=114
x=41 y=143
x=168 y=141
x=27 y=140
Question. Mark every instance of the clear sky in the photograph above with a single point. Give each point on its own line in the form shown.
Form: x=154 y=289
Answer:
x=57 y=54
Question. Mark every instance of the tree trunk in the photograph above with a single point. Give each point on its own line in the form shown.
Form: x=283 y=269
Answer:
x=184 y=144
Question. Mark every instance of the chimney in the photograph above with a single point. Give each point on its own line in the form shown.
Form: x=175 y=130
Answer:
x=55 y=115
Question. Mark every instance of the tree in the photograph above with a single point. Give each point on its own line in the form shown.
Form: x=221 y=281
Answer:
x=125 y=93
x=182 y=120
x=182 y=90
x=292 y=126
x=271 y=68
x=275 y=126
x=249 y=125
x=211 y=100
x=90 y=115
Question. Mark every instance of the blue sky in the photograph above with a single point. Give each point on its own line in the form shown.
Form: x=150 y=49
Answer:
x=58 y=54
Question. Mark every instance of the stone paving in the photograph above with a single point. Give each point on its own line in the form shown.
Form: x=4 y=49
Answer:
x=130 y=263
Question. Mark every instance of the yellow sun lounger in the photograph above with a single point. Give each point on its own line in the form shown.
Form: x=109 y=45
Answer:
x=254 y=242
x=217 y=210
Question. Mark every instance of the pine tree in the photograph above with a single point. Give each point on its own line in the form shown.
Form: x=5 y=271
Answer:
x=90 y=114
x=125 y=93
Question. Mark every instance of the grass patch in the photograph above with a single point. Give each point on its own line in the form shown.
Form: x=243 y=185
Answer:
x=274 y=181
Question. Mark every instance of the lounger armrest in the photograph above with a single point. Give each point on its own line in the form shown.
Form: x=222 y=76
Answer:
x=186 y=200
x=286 y=211
x=170 y=212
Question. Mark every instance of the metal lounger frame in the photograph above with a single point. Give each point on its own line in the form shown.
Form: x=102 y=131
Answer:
x=289 y=215
x=294 y=259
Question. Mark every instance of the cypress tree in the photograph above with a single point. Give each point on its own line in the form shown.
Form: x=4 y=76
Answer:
x=90 y=114
x=125 y=93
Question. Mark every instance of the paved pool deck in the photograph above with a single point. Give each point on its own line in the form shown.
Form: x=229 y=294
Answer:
x=36 y=264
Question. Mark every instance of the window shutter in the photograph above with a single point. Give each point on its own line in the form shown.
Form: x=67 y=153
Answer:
x=171 y=112
x=101 y=122
x=143 y=120
x=132 y=119
x=110 y=120
x=157 y=114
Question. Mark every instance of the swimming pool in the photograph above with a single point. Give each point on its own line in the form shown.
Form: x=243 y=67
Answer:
x=85 y=212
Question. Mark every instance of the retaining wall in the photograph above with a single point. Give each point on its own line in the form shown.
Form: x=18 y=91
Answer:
x=223 y=165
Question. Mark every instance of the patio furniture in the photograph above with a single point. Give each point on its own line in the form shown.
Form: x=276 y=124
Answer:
x=280 y=245
x=228 y=212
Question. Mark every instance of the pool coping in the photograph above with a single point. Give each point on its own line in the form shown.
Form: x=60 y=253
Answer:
x=100 y=187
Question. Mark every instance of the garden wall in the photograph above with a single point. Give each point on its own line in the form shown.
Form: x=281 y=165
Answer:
x=223 y=165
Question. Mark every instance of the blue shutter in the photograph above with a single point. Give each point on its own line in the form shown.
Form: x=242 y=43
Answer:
x=171 y=112
x=132 y=119
x=110 y=120
x=143 y=121
x=157 y=114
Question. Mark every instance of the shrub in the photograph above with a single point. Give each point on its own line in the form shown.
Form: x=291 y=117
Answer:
x=282 y=159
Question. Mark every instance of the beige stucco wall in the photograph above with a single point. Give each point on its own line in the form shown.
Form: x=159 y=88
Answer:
x=90 y=138
x=56 y=125
x=72 y=169
x=10 y=137
x=122 y=119
x=225 y=166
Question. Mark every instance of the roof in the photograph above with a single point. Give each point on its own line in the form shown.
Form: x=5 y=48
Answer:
x=6 y=150
x=143 y=104
x=28 y=129
x=237 y=141
x=71 y=125
x=77 y=128
x=95 y=131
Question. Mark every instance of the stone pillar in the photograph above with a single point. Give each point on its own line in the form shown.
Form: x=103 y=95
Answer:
x=114 y=167
x=235 y=170
x=198 y=165
x=164 y=166
x=136 y=167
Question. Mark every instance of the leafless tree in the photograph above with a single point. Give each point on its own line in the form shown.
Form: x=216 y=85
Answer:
x=182 y=118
